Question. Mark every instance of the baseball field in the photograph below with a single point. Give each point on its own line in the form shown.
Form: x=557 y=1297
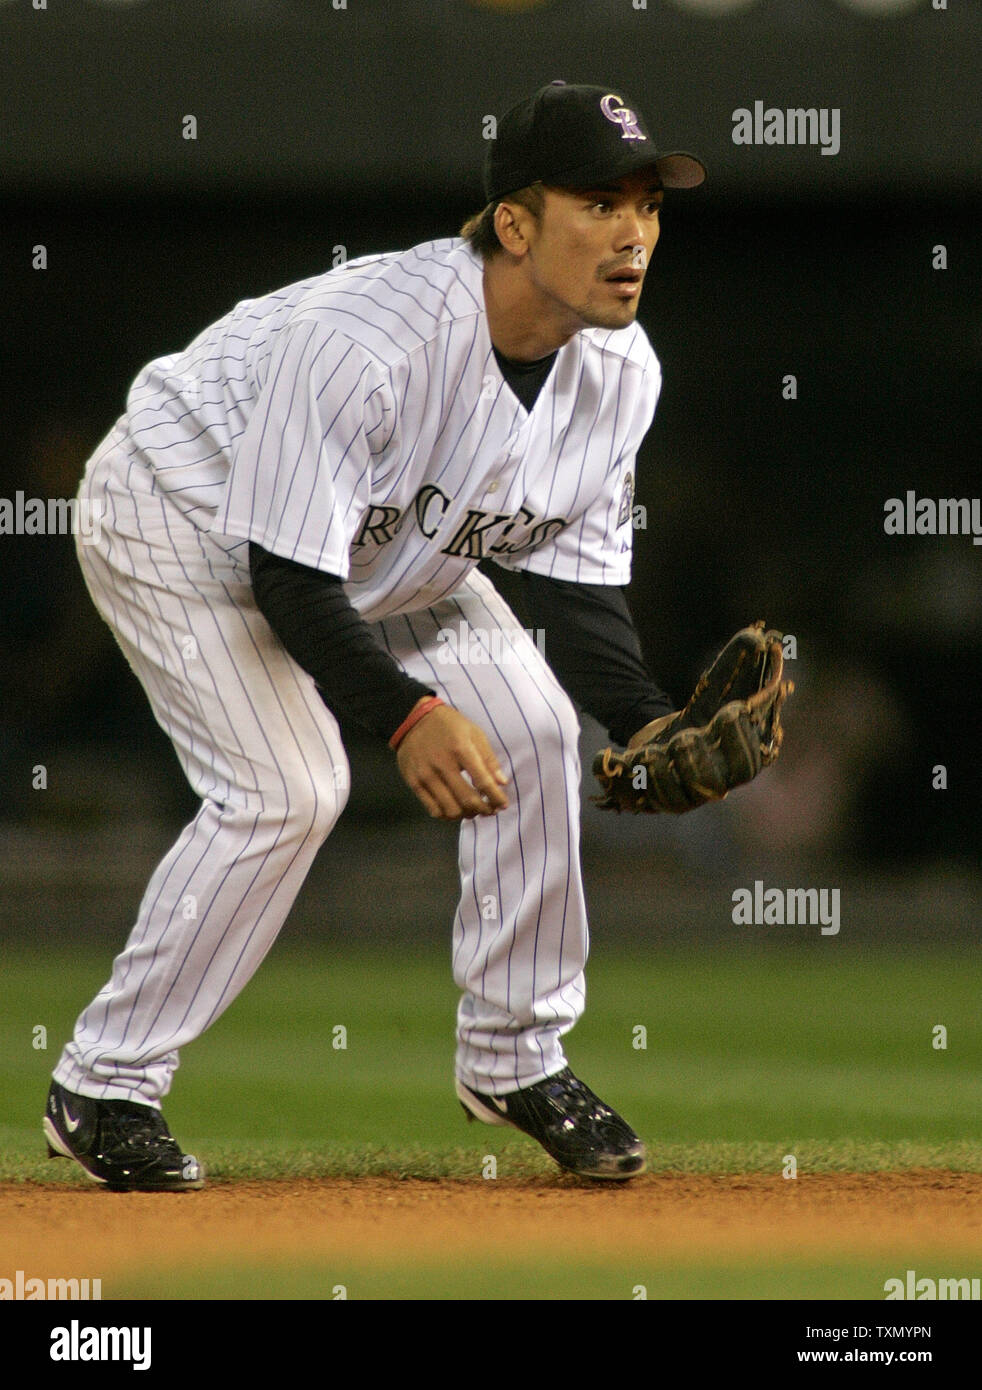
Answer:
x=809 y=1137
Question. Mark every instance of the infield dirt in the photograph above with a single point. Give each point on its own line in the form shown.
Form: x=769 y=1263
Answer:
x=51 y=1232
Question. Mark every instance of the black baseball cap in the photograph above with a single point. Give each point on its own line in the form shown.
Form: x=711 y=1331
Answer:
x=571 y=135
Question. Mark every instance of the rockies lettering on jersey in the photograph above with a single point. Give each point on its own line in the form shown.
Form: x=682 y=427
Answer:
x=345 y=422
x=382 y=524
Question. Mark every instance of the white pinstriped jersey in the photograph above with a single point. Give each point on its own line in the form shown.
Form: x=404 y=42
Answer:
x=359 y=423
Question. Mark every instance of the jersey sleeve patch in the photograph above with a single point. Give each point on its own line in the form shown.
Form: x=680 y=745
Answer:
x=626 y=508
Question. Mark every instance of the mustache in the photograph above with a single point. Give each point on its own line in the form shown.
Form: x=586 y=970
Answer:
x=638 y=262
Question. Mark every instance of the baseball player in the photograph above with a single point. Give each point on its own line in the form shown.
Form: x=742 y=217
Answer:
x=293 y=512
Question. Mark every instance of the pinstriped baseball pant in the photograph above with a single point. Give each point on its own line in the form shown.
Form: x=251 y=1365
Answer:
x=263 y=752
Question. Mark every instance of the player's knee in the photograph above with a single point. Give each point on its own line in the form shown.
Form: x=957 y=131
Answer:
x=312 y=803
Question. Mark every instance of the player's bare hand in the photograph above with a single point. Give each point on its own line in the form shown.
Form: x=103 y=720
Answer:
x=450 y=765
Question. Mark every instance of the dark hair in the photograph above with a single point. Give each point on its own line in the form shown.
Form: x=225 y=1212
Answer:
x=478 y=231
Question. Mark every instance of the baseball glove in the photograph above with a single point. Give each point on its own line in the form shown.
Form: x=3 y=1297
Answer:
x=729 y=730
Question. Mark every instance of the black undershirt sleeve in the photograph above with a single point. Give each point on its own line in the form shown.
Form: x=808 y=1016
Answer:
x=314 y=619
x=590 y=643
x=592 y=646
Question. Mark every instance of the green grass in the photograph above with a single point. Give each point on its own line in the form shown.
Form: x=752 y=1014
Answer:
x=822 y=1051
x=557 y=1279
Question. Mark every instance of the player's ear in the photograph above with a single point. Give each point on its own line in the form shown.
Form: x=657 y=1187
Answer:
x=511 y=221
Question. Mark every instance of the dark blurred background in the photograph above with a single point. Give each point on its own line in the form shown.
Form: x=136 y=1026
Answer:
x=326 y=131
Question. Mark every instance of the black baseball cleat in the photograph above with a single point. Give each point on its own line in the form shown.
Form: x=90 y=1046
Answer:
x=573 y=1125
x=124 y=1146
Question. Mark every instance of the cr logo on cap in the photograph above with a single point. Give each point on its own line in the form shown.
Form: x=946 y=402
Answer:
x=623 y=116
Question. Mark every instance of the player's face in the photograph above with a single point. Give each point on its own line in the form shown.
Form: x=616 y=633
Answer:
x=588 y=255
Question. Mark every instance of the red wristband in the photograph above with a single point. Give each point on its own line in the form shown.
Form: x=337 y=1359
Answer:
x=413 y=717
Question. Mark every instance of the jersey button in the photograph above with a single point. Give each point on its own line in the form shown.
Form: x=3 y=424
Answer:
x=493 y=487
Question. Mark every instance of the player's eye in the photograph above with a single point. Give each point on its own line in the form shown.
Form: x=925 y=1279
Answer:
x=601 y=206
x=653 y=207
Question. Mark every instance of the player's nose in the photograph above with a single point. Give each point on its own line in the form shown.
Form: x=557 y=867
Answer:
x=630 y=224
x=644 y=240
x=633 y=239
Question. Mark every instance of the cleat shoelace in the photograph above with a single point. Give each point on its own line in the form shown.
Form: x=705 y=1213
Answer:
x=568 y=1097
x=137 y=1129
